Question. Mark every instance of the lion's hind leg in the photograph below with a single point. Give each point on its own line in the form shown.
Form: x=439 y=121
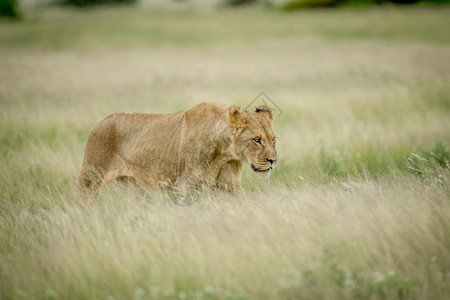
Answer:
x=89 y=183
x=93 y=176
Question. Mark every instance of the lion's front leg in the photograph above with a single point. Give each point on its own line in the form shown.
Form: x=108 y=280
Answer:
x=196 y=178
x=190 y=184
x=229 y=177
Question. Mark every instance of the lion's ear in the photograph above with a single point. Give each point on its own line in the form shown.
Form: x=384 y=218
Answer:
x=237 y=116
x=265 y=110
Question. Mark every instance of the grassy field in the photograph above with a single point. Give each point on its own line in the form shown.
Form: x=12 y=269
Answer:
x=358 y=208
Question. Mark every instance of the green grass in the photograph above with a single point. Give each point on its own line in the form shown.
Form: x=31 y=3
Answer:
x=358 y=207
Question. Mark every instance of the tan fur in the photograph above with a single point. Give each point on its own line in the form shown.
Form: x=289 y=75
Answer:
x=204 y=145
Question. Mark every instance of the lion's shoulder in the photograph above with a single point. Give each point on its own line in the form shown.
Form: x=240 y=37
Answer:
x=206 y=112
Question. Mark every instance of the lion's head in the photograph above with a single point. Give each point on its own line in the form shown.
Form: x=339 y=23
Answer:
x=253 y=139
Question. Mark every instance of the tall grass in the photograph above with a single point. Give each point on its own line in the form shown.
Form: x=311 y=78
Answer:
x=357 y=208
x=356 y=239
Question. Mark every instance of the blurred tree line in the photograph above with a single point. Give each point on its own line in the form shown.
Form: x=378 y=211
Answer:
x=93 y=2
x=299 y=4
x=9 y=8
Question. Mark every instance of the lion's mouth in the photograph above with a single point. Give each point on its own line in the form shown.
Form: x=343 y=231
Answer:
x=260 y=170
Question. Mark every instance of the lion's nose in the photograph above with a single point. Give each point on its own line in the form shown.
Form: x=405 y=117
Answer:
x=271 y=160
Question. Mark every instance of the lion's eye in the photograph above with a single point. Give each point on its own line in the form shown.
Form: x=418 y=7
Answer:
x=257 y=140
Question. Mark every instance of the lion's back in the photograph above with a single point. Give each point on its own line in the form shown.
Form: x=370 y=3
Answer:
x=156 y=143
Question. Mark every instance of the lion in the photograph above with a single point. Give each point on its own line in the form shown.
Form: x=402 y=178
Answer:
x=205 y=145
